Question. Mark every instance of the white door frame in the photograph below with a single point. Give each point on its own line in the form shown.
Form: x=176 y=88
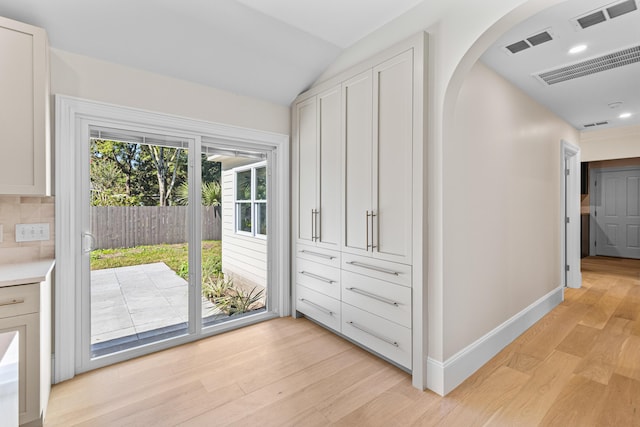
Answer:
x=73 y=116
x=570 y=217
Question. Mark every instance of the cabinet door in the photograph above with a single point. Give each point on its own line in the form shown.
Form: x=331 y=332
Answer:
x=307 y=119
x=357 y=101
x=392 y=158
x=329 y=154
x=23 y=108
x=29 y=369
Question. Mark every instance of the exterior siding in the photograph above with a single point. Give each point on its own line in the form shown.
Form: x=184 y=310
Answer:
x=244 y=258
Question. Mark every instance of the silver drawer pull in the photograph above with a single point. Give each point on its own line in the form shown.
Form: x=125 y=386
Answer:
x=13 y=301
x=373 y=267
x=317 y=254
x=318 y=307
x=373 y=334
x=315 y=276
x=374 y=296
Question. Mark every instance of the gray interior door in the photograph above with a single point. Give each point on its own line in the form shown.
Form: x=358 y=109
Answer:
x=617 y=213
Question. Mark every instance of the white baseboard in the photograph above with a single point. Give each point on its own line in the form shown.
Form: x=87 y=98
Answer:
x=435 y=376
x=442 y=378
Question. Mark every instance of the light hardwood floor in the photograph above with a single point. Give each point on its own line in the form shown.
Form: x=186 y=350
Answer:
x=578 y=366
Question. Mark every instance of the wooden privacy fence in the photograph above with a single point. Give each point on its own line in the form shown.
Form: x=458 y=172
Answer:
x=129 y=226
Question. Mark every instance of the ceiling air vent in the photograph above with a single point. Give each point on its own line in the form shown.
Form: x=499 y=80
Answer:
x=540 y=38
x=605 y=13
x=531 y=41
x=518 y=46
x=592 y=19
x=591 y=125
x=621 y=8
x=591 y=66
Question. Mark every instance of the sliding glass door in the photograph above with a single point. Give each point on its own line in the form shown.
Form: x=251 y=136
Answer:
x=175 y=241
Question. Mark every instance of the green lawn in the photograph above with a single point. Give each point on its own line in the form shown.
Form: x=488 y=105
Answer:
x=175 y=256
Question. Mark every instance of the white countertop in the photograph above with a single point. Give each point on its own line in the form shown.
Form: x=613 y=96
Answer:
x=24 y=272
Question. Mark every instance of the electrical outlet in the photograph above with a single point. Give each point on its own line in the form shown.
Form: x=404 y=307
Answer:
x=32 y=232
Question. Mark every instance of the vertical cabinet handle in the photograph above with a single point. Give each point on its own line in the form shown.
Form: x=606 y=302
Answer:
x=315 y=236
x=313 y=225
x=373 y=245
x=366 y=229
x=366 y=223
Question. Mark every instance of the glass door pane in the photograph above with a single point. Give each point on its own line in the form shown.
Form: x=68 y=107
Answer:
x=234 y=260
x=139 y=260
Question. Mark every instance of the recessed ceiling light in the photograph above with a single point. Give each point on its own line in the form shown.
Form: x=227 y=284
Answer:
x=625 y=115
x=577 y=49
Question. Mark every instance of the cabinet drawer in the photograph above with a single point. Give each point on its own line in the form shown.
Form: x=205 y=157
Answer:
x=319 y=255
x=380 y=335
x=19 y=299
x=318 y=277
x=319 y=307
x=384 y=270
x=384 y=299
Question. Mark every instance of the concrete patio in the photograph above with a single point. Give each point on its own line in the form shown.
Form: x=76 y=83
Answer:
x=129 y=301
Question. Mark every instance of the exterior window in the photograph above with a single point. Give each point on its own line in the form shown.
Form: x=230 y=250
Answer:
x=251 y=201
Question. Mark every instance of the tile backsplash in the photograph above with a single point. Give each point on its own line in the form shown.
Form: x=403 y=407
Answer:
x=25 y=210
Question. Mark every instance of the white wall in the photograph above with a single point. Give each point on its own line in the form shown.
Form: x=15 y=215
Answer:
x=90 y=78
x=243 y=257
x=459 y=32
x=501 y=207
x=607 y=144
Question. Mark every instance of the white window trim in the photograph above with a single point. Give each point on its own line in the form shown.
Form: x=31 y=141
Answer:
x=252 y=201
x=73 y=118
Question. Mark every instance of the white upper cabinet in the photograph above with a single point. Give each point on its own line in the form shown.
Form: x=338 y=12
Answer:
x=318 y=162
x=357 y=202
x=378 y=140
x=392 y=158
x=24 y=110
x=307 y=113
x=330 y=161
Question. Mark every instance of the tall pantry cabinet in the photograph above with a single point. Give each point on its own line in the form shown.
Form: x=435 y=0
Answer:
x=358 y=263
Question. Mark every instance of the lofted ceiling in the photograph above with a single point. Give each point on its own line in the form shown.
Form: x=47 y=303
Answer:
x=275 y=49
x=601 y=91
x=268 y=49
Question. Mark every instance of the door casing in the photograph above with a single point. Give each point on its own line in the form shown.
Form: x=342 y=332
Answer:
x=570 y=215
x=73 y=118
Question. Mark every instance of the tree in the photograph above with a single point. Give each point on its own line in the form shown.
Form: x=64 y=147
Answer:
x=125 y=174
x=125 y=156
x=112 y=172
x=210 y=194
x=211 y=171
x=167 y=162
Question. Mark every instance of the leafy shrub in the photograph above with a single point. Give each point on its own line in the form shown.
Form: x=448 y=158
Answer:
x=239 y=301
x=217 y=288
